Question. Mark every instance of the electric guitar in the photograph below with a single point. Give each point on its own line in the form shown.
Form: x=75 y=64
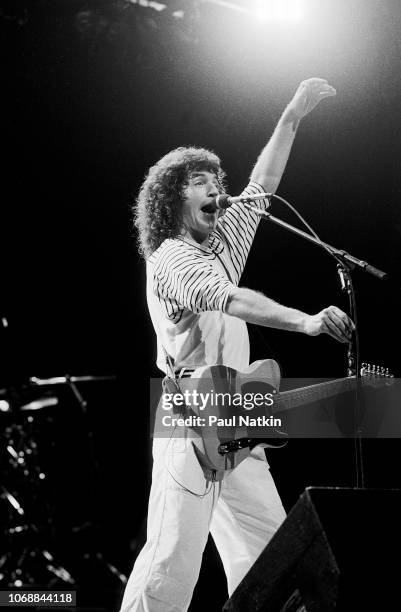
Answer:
x=227 y=413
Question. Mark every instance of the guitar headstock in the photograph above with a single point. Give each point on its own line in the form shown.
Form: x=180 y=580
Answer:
x=375 y=373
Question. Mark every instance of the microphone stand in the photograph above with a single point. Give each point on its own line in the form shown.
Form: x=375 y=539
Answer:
x=346 y=263
x=354 y=369
x=346 y=258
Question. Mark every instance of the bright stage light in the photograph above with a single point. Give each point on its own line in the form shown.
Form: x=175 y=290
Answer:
x=279 y=11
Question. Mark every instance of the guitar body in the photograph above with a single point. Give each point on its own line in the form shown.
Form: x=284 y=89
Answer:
x=221 y=420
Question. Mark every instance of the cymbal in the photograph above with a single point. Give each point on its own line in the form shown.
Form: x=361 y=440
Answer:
x=64 y=380
x=40 y=403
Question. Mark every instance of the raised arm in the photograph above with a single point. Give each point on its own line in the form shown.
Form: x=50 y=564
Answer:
x=272 y=161
x=238 y=226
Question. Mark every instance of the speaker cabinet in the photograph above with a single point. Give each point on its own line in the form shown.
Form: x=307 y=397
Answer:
x=338 y=549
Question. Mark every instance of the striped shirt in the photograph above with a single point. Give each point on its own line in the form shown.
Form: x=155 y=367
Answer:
x=188 y=286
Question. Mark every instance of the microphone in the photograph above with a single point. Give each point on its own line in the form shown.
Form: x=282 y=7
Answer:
x=224 y=201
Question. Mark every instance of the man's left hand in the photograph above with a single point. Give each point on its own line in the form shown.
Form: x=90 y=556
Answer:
x=308 y=95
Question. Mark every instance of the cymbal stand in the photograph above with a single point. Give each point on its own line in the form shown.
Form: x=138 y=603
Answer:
x=26 y=562
x=71 y=381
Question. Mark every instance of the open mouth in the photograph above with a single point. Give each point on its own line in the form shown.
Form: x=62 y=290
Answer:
x=209 y=209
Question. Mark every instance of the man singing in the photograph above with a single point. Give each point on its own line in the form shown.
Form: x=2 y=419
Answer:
x=194 y=264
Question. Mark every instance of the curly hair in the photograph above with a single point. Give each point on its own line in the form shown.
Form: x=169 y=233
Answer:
x=158 y=207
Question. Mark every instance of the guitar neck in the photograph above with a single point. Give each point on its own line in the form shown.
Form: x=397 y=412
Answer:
x=287 y=400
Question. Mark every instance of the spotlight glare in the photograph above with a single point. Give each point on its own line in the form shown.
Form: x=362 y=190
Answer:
x=279 y=11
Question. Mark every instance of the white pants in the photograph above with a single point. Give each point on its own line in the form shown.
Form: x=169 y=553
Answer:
x=242 y=512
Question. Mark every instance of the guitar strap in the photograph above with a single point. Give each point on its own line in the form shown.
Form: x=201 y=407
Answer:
x=210 y=473
x=170 y=370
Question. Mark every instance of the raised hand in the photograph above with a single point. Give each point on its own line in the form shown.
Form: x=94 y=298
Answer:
x=308 y=95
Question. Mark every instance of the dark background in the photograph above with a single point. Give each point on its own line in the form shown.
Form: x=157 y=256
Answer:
x=103 y=90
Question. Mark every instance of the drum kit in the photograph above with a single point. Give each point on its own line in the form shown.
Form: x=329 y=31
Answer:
x=26 y=516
